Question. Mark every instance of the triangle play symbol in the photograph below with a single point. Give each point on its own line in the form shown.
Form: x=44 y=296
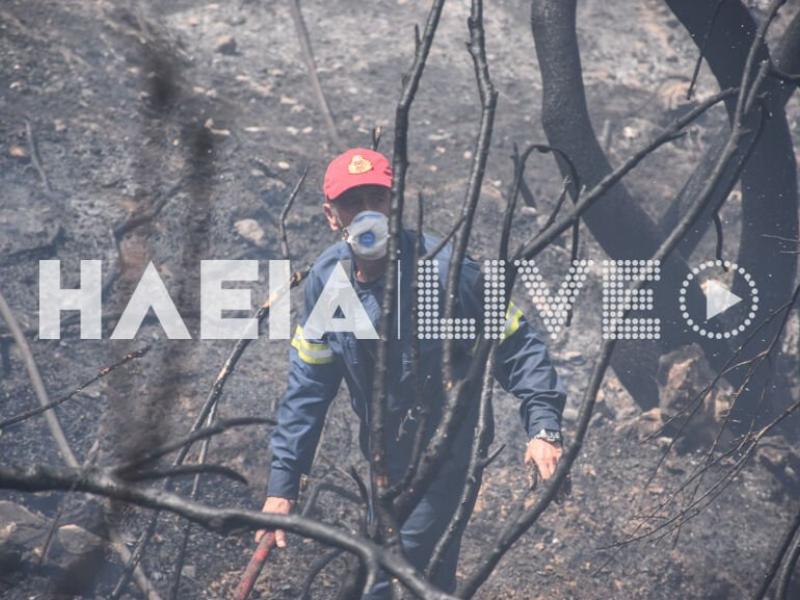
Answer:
x=718 y=298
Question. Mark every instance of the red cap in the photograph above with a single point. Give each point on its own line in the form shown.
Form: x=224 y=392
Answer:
x=355 y=167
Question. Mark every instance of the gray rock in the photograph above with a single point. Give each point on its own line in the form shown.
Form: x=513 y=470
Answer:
x=26 y=223
x=226 y=44
x=250 y=230
x=20 y=532
x=77 y=541
x=19 y=527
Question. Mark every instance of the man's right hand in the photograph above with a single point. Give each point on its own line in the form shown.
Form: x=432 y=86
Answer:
x=277 y=505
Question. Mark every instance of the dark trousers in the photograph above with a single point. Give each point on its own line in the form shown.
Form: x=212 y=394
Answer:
x=423 y=528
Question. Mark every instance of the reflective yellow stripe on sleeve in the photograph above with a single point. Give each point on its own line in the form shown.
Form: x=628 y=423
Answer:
x=513 y=316
x=313 y=353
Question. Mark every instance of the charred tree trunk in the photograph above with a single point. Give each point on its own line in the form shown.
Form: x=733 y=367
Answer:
x=768 y=179
x=618 y=222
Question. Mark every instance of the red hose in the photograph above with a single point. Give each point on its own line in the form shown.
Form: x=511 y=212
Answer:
x=255 y=565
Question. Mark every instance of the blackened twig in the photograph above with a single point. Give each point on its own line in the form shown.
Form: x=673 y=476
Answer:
x=747 y=91
x=694 y=404
x=784 y=76
x=129 y=469
x=792 y=556
x=755 y=92
x=543 y=239
x=183 y=470
x=703 y=47
x=285 y=213
x=746 y=448
x=431 y=254
x=460 y=393
x=138 y=220
x=686 y=513
x=316 y=568
x=488 y=460
x=377 y=132
x=61 y=506
x=311 y=66
x=420 y=411
x=523 y=522
x=519 y=162
x=720 y=237
x=783 y=551
x=572 y=186
x=36 y=158
x=38 y=384
x=100 y=374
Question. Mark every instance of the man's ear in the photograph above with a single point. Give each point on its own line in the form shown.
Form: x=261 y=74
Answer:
x=330 y=214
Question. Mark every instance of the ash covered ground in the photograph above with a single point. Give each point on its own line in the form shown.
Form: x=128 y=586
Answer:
x=233 y=96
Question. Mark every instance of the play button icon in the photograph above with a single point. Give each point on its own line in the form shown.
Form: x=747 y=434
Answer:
x=718 y=298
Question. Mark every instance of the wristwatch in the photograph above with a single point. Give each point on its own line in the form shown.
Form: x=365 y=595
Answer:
x=549 y=435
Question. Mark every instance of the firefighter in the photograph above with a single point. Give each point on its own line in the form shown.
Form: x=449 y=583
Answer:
x=357 y=190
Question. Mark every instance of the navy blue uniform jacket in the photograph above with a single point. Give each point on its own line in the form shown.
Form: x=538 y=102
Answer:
x=317 y=367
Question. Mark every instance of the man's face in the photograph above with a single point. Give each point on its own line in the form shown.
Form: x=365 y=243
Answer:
x=341 y=211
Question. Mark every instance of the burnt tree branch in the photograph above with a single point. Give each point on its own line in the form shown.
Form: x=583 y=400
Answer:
x=377 y=418
x=102 y=482
x=488 y=101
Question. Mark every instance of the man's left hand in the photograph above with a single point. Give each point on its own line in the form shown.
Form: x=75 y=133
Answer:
x=544 y=454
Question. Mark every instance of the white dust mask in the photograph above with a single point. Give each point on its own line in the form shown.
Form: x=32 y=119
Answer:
x=368 y=235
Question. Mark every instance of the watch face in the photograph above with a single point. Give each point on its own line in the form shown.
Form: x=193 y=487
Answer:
x=549 y=435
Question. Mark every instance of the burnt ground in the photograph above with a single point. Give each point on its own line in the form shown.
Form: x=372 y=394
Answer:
x=234 y=130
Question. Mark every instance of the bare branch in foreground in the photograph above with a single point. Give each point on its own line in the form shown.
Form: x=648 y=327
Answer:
x=746 y=447
x=431 y=461
x=477 y=463
x=388 y=527
x=316 y=568
x=188 y=470
x=488 y=99
x=102 y=482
